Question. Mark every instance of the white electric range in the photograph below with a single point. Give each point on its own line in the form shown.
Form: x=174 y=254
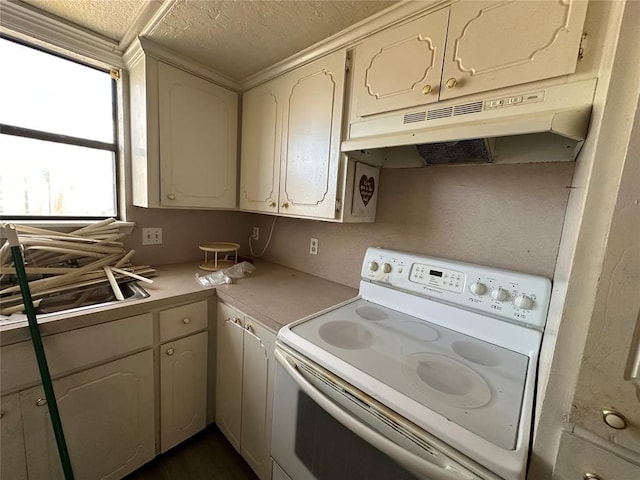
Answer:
x=429 y=373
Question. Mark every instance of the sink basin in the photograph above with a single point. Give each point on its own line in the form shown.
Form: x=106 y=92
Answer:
x=91 y=297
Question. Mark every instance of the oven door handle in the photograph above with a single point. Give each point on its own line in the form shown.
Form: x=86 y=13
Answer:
x=410 y=461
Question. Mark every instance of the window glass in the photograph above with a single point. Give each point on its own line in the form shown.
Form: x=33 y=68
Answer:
x=58 y=150
x=39 y=178
x=44 y=92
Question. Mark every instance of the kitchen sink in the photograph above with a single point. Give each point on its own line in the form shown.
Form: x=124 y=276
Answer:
x=90 y=297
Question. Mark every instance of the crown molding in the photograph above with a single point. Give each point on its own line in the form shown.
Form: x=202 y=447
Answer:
x=24 y=23
x=144 y=46
x=347 y=38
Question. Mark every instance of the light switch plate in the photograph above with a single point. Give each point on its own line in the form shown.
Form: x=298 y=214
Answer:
x=152 y=236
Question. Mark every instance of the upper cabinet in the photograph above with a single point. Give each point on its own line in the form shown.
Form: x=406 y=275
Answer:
x=291 y=141
x=291 y=163
x=183 y=138
x=469 y=47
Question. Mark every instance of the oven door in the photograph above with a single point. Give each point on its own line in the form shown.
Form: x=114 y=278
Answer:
x=324 y=428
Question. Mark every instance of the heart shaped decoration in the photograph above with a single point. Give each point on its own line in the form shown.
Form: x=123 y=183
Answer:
x=367 y=187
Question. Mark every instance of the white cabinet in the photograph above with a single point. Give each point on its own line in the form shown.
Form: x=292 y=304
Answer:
x=291 y=141
x=12 y=450
x=183 y=373
x=244 y=388
x=104 y=380
x=107 y=417
x=183 y=138
x=577 y=457
x=469 y=47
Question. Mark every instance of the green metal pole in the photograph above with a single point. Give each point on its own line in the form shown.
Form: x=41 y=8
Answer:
x=16 y=252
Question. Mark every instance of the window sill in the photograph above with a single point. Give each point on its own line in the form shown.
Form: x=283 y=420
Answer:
x=125 y=227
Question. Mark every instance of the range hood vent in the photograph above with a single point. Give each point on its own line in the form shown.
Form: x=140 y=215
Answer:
x=536 y=125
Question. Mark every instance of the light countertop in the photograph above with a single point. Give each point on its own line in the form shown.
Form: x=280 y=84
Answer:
x=274 y=295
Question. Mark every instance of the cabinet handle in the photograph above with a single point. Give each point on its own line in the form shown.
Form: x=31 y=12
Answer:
x=249 y=328
x=171 y=196
x=284 y=205
x=614 y=419
x=427 y=89
x=186 y=320
x=41 y=402
x=591 y=476
x=452 y=82
x=272 y=204
x=170 y=351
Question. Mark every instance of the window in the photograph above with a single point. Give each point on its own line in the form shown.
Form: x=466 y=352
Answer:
x=58 y=144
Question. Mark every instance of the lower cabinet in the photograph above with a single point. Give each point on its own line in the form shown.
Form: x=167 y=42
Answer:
x=244 y=388
x=12 y=461
x=107 y=414
x=108 y=405
x=183 y=389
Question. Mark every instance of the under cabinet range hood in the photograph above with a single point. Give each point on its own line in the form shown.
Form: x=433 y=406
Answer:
x=531 y=125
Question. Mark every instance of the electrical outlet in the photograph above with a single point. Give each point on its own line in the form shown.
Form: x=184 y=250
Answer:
x=256 y=233
x=152 y=236
x=313 y=246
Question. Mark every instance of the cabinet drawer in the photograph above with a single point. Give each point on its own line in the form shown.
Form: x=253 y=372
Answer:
x=578 y=456
x=75 y=349
x=183 y=320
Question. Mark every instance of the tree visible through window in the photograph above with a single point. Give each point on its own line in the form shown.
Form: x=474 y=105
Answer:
x=57 y=137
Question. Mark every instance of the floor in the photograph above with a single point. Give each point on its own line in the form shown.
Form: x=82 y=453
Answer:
x=205 y=456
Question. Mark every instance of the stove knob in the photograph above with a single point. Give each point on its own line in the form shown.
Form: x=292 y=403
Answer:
x=523 y=302
x=499 y=294
x=478 y=288
x=373 y=266
x=386 y=268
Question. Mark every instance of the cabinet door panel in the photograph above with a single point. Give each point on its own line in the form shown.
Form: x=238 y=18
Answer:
x=107 y=417
x=198 y=131
x=13 y=464
x=183 y=395
x=261 y=139
x=393 y=67
x=493 y=44
x=309 y=168
x=256 y=403
x=229 y=374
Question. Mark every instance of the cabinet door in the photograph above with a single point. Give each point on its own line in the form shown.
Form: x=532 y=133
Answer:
x=493 y=43
x=107 y=416
x=261 y=142
x=256 y=398
x=400 y=67
x=229 y=346
x=198 y=132
x=183 y=392
x=13 y=464
x=311 y=138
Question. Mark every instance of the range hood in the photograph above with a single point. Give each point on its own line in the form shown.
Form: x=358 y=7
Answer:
x=520 y=126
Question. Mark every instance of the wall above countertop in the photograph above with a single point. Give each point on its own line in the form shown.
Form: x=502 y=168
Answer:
x=505 y=216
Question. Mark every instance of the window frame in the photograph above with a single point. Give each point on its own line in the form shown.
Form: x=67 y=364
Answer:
x=114 y=147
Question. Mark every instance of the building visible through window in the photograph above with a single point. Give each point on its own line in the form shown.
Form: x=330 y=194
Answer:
x=58 y=143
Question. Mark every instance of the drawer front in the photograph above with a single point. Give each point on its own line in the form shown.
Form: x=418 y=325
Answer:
x=183 y=320
x=577 y=457
x=75 y=349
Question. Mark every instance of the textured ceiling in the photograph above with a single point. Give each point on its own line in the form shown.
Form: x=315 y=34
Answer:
x=237 y=38
x=109 y=18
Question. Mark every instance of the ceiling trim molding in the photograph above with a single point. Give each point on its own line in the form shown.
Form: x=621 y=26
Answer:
x=396 y=14
x=29 y=24
x=148 y=47
x=152 y=13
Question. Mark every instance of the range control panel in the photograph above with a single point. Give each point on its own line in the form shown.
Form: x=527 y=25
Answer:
x=515 y=296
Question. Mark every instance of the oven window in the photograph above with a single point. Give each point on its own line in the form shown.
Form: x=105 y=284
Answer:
x=332 y=452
